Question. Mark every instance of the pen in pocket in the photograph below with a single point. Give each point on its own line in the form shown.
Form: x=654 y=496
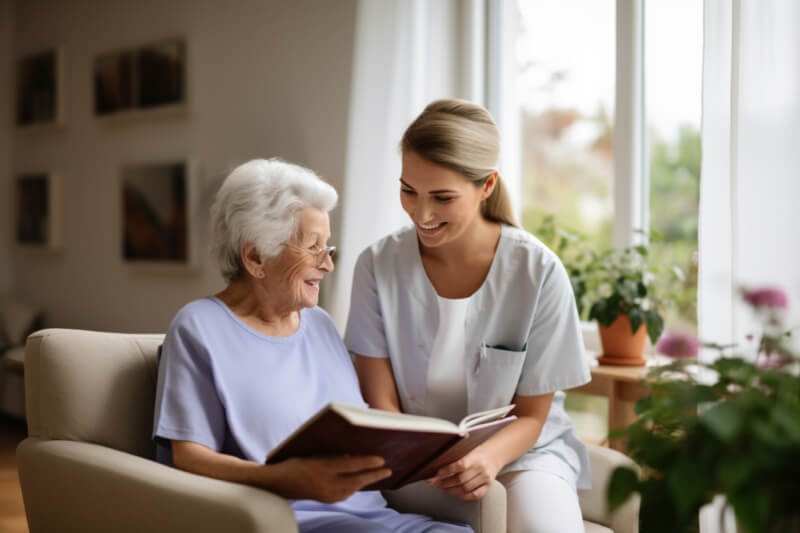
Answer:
x=481 y=356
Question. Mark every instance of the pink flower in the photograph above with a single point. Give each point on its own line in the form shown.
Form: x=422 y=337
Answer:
x=678 y=345
x=766 y=297
x=769 y=363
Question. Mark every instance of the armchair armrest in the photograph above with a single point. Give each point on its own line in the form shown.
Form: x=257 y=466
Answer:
x=73 y=486
x=593 y=502
x=487 y=515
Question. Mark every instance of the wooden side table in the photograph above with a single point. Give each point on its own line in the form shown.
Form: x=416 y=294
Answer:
x=621 y=385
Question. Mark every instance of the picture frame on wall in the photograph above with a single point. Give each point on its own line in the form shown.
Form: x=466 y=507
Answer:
x=158 y=205
x=140 y=79
x=37 y=211
x=39 y=88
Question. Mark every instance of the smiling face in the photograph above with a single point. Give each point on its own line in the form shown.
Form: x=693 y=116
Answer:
x=300 y=267
x=443 y=205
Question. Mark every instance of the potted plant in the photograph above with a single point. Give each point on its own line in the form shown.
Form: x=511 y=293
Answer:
x=730 y=427
x=617 y=288
x=620 y=293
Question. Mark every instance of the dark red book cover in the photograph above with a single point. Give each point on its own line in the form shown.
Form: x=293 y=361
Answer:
x=407 y=452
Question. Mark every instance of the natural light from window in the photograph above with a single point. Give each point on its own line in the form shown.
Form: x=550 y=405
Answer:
x=672 y=107
x=565 y=91
x=565 y=88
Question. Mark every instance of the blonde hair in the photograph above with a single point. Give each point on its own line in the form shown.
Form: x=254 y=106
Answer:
x=462 y=136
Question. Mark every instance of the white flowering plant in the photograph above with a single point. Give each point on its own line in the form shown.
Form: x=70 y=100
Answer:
x=610 y=283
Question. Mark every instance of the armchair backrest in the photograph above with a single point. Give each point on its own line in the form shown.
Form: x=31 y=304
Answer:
x=92 y=387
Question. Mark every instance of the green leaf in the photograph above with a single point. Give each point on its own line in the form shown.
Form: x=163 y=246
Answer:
x=597 y=310
x=605 y=311
x=723 y=420
x=687 y=483
x=654 y=324
x=657 y=512
x=734 y=369
x=735 y=473
x=622 y=484
x=787 y=417
x=641 y=289
x=642 y=405
x=767 y=435
x=636 y=317
x=702 y=394
x=751 y=506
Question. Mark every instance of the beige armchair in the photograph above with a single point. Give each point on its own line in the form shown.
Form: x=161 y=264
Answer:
x=87 y=463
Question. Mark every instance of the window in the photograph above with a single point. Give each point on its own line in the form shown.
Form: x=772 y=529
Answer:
x=600 y=116
x=565 y=99
x=672 y=107
x=601 y=108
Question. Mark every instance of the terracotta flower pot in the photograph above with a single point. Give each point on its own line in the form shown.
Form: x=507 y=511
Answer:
x=620 y=347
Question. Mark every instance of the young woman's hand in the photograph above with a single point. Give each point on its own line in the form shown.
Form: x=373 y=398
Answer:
x=329 y=479
x=470 y=477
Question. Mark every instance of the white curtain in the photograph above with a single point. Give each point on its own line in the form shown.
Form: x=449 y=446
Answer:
x=750 y=177
x=407 y=54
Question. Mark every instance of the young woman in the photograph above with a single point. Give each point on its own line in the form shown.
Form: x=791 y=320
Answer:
x=463 y=312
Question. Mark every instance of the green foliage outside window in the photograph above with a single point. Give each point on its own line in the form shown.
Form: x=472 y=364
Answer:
x=561 y=182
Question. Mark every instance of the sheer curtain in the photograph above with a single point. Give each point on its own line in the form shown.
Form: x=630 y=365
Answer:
x=407 y=54
x=750 y=179
x=750 y=184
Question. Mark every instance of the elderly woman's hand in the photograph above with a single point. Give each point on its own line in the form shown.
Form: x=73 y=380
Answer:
x=328 y=480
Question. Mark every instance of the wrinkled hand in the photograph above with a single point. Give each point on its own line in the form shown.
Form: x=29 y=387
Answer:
x=328 y=479
x=469 y=478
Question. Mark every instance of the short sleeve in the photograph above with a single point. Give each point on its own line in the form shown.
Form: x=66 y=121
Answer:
x=187 y=403
x=364 y=334
x=554 y=357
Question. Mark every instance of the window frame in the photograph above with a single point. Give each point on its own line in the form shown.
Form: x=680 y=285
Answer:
x=631 y=187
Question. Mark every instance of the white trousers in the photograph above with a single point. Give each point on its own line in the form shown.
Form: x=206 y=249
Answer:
x=539 y=502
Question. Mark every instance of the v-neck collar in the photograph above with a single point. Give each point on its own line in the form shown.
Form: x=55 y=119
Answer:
x=419 y=284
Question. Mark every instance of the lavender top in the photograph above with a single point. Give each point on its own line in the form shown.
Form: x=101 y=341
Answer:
x=228 y=387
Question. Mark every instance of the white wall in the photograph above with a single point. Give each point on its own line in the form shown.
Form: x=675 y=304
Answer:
x=6 y=92
x=266 y=78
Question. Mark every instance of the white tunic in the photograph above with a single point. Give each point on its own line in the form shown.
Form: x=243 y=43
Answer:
x=446 y=390
x=522 y=336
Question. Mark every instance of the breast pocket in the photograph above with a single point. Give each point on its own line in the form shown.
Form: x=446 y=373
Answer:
x=493 y=381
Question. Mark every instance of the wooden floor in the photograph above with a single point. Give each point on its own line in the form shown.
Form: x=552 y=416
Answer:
x=12 y=512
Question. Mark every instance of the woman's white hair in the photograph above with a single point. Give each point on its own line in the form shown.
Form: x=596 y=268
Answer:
x=259 y=203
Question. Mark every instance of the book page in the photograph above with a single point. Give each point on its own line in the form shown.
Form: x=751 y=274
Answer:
x=477 y=436
x=484 y=416
x=386 y=419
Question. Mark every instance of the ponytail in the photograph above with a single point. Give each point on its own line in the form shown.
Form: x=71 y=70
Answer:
x=497 y=207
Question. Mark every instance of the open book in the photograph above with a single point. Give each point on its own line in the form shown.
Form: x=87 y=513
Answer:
x=414 y=447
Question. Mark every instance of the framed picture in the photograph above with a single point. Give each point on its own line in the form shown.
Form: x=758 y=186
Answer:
x=148 y=77
x=157 y=214
x=36 y=211
x=39 y=88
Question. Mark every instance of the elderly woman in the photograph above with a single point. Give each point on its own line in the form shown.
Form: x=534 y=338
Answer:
x=240 y=371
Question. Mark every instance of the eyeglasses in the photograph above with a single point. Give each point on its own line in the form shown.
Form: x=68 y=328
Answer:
x=321 y=254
